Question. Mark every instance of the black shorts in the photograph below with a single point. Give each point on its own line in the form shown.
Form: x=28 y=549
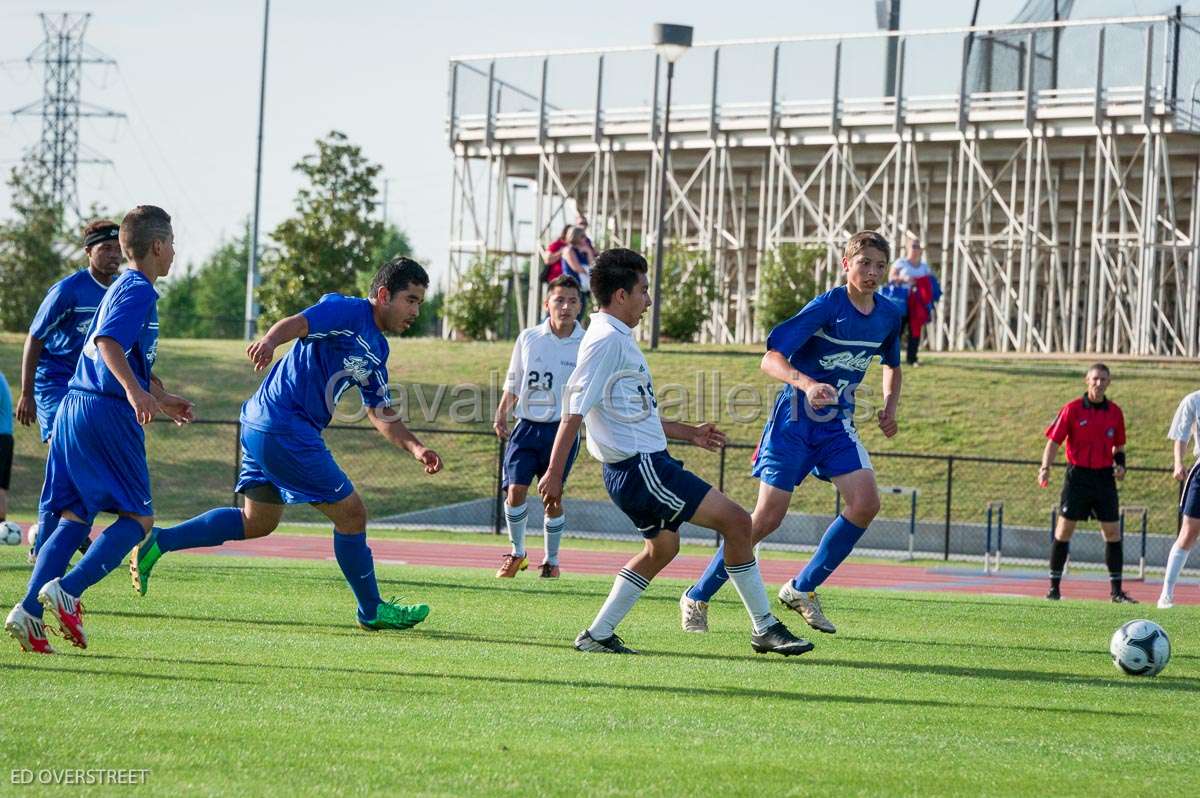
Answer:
x=6 y=455
x=1090 y=493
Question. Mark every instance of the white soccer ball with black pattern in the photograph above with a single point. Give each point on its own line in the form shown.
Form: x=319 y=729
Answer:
x=1140 y=648
x=31 y=535
x=10 y=533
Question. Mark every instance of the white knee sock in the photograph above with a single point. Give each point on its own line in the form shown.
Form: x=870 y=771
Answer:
x=516 y=517
x=1175 y=563
x=553 y=532
x=626 y=590
x=747 y=580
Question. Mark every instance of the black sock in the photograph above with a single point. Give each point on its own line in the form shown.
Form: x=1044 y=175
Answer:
x=1059 y=550
x=1114 y=558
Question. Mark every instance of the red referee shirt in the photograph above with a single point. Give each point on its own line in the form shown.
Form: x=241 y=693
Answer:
x=1090 y=432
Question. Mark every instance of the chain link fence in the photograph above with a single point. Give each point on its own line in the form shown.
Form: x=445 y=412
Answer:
x=932 y=505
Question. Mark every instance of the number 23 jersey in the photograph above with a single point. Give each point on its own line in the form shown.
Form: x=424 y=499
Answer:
x=540 y=366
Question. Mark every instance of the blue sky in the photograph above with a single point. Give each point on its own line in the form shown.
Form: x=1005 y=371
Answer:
x=376 y=70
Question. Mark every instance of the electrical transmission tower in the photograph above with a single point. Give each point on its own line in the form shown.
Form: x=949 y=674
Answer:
x=63 y=56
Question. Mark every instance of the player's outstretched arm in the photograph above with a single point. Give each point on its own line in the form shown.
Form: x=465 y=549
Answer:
x=144 y=405
x=180 y=410
x=262 y=351
x=26 y=407
x=550 y=486
x=500 y=422
x=891 y=400
x=394 y=430
x=706 y=435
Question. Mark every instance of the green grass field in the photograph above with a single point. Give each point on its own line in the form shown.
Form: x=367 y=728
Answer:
x=246 y=676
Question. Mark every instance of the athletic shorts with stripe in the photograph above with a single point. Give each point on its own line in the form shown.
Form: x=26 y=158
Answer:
x=1189 y=502
x=655 y=491
x=792 y=448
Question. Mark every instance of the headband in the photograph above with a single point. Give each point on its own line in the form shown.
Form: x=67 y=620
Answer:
x=103 y=234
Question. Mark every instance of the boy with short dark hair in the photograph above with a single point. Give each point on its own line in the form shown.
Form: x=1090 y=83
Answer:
x=339 y=346
x=97 y=459
x=611 y=387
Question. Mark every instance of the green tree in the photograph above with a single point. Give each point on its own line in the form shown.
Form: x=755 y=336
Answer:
x=786 y=282
x=333 y=236
x=688 y=290
x=32 y=244
x=475 y=306
x=208 y=301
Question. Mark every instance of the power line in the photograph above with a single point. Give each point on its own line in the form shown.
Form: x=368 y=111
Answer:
x=63 y=55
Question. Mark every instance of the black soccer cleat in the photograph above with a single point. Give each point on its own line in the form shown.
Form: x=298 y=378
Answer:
x=609 y=645
x=778 y=639
x=1054 y=595
x=1121 y=597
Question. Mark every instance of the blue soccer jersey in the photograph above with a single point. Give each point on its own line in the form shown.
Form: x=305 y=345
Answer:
x=129 y=315
x=833 y=342
x=61 y=324
x=343 y=348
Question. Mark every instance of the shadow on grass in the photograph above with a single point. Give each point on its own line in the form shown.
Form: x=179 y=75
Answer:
x=583 y=684
x=992 y=646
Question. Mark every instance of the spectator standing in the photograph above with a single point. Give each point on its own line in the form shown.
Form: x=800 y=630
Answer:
x=923 y=292
x=553 y=256
x=577 y=256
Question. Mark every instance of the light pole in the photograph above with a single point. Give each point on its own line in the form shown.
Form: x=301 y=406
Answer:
x=252 y=257
x=671 y=41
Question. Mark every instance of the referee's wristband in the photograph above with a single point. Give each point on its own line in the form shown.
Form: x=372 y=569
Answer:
x=1119 y=459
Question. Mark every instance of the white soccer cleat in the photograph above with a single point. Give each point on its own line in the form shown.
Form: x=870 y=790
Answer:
x=809 y=607
x=693 y=614
x=1166 y=602
x=66 y=609
x=28 y=631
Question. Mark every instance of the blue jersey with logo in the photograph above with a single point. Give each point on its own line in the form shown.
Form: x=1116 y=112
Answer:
x=343 y=348
x=61 y=324
x=833 y=342
x=129 y=315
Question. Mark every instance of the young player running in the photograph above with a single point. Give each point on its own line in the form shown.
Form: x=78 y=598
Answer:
x=821 y=355
x=339 y=345
x=611 y=387
x=97 y=457
x=55 y=341
x=1185 y=425
x=542 y=360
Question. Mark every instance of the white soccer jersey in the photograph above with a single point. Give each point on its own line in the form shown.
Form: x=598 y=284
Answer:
x=540 y=366
x=611 y=389
x=1186 y=423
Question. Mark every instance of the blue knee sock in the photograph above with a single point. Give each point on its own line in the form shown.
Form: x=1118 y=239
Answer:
x=836 y=545
x=47 y=523
x=105 y=555
x=354 y=557
x=210 y=529
x=53 y=559
x=712 y=579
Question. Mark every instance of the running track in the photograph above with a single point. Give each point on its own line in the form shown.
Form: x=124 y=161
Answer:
x=957 y=578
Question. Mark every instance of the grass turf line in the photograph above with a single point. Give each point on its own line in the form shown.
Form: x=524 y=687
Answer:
x=240 y=675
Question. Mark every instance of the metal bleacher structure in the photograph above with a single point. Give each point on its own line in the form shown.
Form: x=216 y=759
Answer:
x=1051 y=169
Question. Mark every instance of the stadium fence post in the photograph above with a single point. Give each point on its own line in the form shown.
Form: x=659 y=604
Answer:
x=912 y=527
x=1142 y=558
x=949 y=494
x=999 y=535
x=721 y=487
x=987 y=545
x=498 y=510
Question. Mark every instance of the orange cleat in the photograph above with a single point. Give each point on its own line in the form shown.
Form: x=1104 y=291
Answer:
x=510 y=564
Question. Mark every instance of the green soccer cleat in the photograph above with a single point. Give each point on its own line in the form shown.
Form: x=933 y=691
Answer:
x=391 y=615
x=142 y=560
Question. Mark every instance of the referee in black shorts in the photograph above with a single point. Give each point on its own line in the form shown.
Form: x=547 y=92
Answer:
x=1093 y=429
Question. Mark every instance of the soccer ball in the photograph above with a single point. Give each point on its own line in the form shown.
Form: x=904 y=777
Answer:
x=31 y=535
x=10 y=533
x=1140 y=648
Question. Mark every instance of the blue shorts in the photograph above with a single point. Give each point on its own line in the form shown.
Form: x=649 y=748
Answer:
x=289 y=468
x=655 y=491
x=527 y=454
x=792 y=448
x=47 y=401
x=97 y=460
x=1189 y=503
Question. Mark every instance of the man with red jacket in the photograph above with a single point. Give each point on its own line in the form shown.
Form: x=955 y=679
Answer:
x=1093 y=429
